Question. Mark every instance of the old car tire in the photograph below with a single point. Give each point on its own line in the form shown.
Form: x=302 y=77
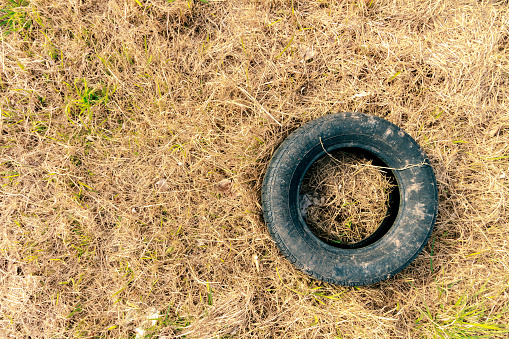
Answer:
x=400 y=237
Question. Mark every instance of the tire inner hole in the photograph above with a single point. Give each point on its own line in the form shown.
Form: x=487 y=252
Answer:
x=345 y=198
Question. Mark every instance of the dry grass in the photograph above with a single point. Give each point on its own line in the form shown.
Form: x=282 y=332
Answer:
x=119 y=118
x=349 y=197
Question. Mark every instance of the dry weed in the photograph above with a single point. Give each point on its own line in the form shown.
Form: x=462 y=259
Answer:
x=119 y=118
x=350 y=197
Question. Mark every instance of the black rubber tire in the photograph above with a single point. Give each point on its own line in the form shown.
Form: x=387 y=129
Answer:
x=400 y=237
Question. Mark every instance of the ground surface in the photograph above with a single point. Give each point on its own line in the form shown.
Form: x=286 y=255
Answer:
x=134 y=136
x=346 y=196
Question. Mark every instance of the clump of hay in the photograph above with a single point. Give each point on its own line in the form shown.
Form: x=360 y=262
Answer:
x=348 y=197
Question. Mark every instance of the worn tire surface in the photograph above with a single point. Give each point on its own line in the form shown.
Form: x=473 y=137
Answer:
x=397 y=241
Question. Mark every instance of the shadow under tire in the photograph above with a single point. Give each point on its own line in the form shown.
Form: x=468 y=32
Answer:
x=399 y=238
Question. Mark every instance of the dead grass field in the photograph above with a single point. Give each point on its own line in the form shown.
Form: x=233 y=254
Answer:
x=119 y=118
